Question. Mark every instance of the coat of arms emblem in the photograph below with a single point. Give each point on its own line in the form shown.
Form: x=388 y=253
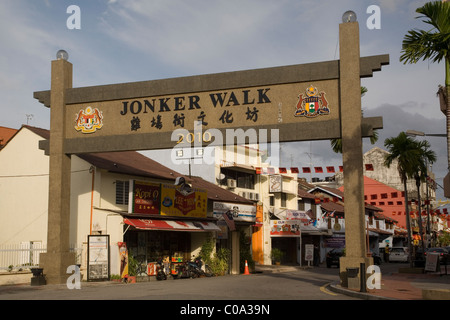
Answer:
x=89 y=120
x=312 y=104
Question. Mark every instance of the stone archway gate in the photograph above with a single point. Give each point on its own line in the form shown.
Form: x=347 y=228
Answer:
x=312 y=101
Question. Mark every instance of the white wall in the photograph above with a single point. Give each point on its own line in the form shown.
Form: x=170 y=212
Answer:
x=23 y=190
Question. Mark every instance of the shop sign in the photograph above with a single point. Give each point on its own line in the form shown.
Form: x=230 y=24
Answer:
x=144 y=197
x=285 y=228
x=239 y=212
x=275 y=183
x=178 y=203
x=334 y=242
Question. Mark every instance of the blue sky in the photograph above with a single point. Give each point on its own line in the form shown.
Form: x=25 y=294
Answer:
x=133 y=40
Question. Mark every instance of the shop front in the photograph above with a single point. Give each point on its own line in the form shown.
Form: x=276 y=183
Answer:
x=165 y=222
x=286 y=238
x=234 y=219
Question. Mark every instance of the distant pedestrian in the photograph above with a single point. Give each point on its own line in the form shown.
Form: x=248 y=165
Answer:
x=386 y=253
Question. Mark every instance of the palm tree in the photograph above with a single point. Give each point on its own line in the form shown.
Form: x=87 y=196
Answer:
x=432 y=45
x=411 y=156
x=336 y=144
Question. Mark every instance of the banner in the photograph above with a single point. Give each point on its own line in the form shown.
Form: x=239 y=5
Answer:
x=285 y=228
x=240 y=212
x=176 y=202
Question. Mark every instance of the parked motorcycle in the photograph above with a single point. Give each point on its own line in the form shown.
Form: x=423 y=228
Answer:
x=183 y=270
x=196 y=267
x=160 y=273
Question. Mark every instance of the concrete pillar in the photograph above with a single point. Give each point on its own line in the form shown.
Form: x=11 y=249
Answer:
x=351 y=117
x=235 y=256
x=58 y=256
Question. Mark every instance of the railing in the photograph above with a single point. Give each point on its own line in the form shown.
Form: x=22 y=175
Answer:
x=18 y=257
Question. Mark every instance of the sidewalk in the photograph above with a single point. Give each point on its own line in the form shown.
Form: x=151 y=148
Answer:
x=405 y=286
x=394 y=286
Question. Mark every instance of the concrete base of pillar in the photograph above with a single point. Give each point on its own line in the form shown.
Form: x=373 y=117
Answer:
x=345 y=263
x=55 y=266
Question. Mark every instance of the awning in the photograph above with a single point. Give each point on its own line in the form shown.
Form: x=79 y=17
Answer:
x=171 y=225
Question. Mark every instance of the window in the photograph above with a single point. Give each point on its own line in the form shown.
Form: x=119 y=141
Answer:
x=122 y=188
x=243 y=179
x=283 y=199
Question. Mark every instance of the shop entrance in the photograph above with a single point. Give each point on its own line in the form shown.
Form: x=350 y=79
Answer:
x=288 y=245
x=149 y=246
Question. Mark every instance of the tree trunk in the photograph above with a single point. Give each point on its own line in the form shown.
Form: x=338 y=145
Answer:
x=408 y=224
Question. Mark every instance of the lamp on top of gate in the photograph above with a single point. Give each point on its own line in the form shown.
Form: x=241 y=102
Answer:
x=62 y=55
x=349 y=16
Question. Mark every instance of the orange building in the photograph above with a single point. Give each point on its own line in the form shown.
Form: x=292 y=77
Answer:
x=389 y=199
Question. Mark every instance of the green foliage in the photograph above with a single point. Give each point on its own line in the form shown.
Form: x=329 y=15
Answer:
x=132 y=265
x=276 y=254
x=430 y=44
x=444 y=239
x=218 y=261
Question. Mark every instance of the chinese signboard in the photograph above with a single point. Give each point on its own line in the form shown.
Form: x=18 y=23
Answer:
x=175 y=202
x=144 y=198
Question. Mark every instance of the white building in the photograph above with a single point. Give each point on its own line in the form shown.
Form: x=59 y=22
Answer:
x=99 y=201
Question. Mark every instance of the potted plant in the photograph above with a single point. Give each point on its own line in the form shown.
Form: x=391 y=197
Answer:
x=276 y=255
x=132 y=269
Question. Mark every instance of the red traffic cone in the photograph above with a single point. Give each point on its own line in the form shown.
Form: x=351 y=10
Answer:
x=246 y=268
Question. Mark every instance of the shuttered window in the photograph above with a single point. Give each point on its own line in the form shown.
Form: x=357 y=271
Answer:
x=122 y=188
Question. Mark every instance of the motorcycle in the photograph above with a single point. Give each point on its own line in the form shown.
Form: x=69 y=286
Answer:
x=196 y=267
x=160 y=273
x=199 y=268
x=183 y=270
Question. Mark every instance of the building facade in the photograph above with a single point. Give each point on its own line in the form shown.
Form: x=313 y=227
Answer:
x=102 y=186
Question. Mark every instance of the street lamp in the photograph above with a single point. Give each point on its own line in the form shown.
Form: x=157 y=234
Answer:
x=414 y=133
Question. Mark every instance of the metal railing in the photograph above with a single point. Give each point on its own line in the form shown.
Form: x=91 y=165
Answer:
x=18 y=257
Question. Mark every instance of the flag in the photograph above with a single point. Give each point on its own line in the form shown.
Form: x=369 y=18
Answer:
x=228 y=217
x=282 y=170
x=258 y=170
x=306 y=170
x=270 y=170
x=330 y=169
x=369 y=167
x=341 y=169
x=294 y=170
x=318 y=169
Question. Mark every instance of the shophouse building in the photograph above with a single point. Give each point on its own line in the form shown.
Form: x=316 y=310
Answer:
x=153 y=221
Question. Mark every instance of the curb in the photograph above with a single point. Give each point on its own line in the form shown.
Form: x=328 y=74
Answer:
x=335 y=287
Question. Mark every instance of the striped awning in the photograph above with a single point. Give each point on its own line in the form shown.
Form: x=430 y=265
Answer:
x=171 y=225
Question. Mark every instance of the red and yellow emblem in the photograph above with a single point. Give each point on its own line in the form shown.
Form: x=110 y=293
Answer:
x=312 y=104
x=89 y=120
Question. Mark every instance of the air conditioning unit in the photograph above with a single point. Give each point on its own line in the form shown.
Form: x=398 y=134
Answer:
x=231 y=183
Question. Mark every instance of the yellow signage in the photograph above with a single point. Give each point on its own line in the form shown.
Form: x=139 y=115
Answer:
x=179 y=203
